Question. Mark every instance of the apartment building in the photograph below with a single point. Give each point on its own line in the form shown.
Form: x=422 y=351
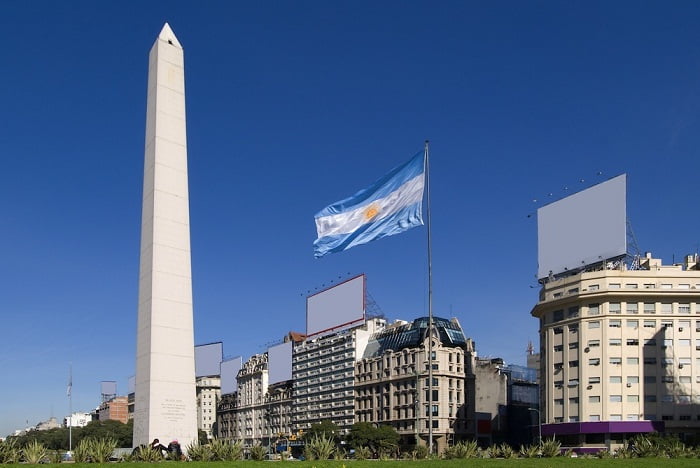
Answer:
x=323 y=375
x=392 y=385
x=208 y=391
x=620 y=352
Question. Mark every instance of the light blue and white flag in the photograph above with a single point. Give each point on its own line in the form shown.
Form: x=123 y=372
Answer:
x=391 y=205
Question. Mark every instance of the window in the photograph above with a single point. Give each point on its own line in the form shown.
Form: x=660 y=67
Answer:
x=631 y=285
x=668 y=343
x=614 y=308
x=594 y=417
x=593 y=343
x=667 y=399
x=633 y=361
x=572 y=291
x=614 y=286
x=558 y=348
x=573 y=345
x=615 y=399
x=594 y=399
x=615 y=323
x=649 y=307
x=632 y=379
x=593 y=380
x=666 y=308
x=684 y=361
x=684 y=379
x=573 y=382
x=593 y=287
x=615 y=360
x=558 y=330
x=633 y=417
x=594 y=324
x=666 y=286
x=559 y=401
x=594 y=362
x=632 y=308
x=632 y=323
x=650 y=324
x=649 y=398
x=573 y=401
x=573 y=363
x=632 y=342
x=572 y=312
x=593 y=309
x=649 y=286
x=573 y=328
x=683 y=342
x=683 y=286
x=649 y=379
x=683 y=308
x=615 y=342
x=667 y=379
x=650 y=342
x=615 y=379
x=558 y=315
x=684 y=324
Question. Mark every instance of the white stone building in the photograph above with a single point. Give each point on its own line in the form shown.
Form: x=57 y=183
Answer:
x=620 y=353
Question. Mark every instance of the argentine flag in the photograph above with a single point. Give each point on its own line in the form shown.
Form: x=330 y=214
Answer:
x=392 y=205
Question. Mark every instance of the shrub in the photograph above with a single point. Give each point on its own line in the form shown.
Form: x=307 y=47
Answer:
x=225 y=450
x=362 y=453
x=529 y=451
x=462 y=450
x=56 y=456
x=199 y=452
x=319 y=448
x=258 y=452
x=34 y=452
x=551 y=448
x=81 y=452
x=9 y=451
x=102 y=449
x=503 y=451
x=420 y=452
x=144 y=453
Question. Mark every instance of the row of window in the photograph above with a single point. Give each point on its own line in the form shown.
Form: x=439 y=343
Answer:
x=629 y=307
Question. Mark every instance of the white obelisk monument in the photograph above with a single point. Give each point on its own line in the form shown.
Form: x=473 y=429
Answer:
x=165 y=406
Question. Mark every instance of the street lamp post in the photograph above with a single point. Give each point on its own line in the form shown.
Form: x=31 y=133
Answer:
x=539 y=423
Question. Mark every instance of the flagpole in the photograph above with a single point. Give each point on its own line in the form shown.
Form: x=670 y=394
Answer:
x=430 y=304
x=70 y=410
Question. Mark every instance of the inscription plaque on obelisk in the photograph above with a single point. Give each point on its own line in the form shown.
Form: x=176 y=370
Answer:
x=165 y=405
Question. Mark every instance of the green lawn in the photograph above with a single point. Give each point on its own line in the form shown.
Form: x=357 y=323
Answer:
x=476 y=462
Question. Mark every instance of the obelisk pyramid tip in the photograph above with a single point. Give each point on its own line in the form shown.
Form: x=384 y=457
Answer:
x=167 y=34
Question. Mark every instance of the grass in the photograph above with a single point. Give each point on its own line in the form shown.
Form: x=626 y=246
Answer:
x=474 y=462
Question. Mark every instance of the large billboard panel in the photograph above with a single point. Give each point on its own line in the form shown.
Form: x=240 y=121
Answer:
x=108 y=387
x=207 y=359
x=582 y=229
x=279 y=362
x=336 y=308
x=229 y=372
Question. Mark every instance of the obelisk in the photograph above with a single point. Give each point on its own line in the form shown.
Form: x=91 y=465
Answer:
x=165 y=401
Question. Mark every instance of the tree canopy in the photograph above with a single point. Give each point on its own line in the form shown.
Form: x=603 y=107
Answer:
x=325 y=428
x=57 y=439
x=382 y=439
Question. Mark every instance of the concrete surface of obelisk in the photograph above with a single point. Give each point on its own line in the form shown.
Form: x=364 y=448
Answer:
x=165 y=405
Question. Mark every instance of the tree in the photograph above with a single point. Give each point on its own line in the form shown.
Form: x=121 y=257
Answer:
x=325 y=429
x=381 y=440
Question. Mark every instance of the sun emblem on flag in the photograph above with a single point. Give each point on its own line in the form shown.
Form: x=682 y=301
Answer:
x=371 y=211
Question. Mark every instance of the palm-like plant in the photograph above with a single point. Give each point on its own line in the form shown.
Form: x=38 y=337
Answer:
x=462 y=450
x=34 y=452
x=320 y=448
x=258 y=452
x=551 y=448
x=199 y=452
x=225 y=450
x=529 y=451
x=10 y=451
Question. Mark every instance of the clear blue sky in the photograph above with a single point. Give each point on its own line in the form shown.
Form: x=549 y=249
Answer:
x=294 y=105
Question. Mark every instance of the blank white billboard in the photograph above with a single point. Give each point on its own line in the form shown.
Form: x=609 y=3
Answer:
x=229 y=372
x=207 y=359
x=582 y=229
x=279 y=362
x=108 y=387
x=336 y=308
